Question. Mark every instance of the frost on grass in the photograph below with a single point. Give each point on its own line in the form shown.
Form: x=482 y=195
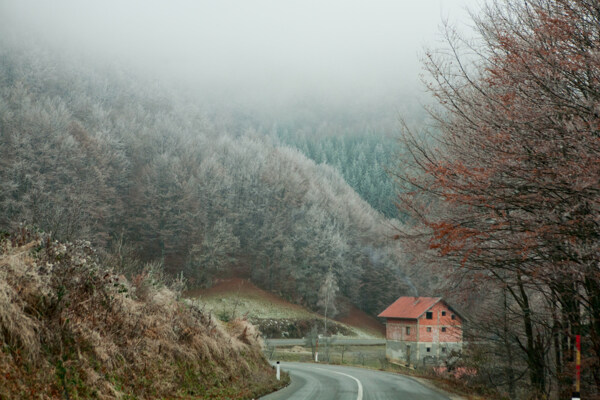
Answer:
x=70 y=327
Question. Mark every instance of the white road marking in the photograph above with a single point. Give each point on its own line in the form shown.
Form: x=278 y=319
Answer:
x=360 y=388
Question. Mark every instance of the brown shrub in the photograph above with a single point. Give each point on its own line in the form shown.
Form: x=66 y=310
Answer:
x=69 y=325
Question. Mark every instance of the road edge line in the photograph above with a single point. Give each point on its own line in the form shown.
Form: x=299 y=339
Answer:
x=360 y=387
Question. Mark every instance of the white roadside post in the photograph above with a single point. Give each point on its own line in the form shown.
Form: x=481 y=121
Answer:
x=317 y=351
x=278 y=374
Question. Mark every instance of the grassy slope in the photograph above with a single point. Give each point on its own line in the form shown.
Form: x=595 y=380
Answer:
x=71 y=328
x=245 y=299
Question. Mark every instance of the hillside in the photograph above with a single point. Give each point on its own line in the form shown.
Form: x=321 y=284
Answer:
x=235 y=297
x=99 y=153
x=71 y=328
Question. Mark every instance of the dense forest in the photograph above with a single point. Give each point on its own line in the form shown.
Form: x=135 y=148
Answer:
x=99 y=154
x=364 y=160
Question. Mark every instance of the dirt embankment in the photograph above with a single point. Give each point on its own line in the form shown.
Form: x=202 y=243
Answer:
x=71 y=328
x=360 y=319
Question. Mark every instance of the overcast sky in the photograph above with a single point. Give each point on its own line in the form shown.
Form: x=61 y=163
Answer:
x=368 y=47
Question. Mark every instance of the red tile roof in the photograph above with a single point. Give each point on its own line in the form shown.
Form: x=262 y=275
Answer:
x=409 y=307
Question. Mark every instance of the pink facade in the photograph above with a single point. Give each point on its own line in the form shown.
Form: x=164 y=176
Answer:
x=441 y=327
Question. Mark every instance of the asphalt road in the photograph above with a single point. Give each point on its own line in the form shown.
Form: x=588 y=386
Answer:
x=335 y=342
x=332 y=382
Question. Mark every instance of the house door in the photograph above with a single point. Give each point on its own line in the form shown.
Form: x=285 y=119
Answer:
x=408 y=355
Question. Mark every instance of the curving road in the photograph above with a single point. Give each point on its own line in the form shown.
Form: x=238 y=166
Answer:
x=332 y=382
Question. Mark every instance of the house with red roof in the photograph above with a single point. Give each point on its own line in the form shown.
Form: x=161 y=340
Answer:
x=421 y=330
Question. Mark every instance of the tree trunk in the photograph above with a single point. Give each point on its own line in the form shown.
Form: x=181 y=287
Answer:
x=533 y=349
x=510 y=373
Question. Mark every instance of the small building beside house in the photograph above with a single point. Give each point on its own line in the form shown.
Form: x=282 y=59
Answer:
x=421 y=330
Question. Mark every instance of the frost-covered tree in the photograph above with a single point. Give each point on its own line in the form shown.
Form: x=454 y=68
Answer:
x=102 y=155
x=328 y=294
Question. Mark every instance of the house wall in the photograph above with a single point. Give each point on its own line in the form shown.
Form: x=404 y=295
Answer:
x=398 y=351
x=430 y=330
x=396 y=329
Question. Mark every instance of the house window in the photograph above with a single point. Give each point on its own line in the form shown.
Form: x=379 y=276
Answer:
x=429 y=349
x=443 y=329
x=452 y=316
x=428 y=329
x=443 y=349
x=428 y=315
x=408 y=330
x=443 y=313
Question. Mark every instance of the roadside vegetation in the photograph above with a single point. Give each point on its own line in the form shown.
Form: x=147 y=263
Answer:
x=73 y=328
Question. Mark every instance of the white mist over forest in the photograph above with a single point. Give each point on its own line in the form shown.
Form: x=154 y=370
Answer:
x=261 y=52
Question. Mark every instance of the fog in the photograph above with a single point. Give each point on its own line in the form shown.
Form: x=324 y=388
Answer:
x=267 y=49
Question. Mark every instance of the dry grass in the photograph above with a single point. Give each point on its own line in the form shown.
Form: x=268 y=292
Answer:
x=73 y=329
x=240 y=297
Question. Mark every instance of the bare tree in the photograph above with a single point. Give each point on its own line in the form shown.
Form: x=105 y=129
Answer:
x=508 y=193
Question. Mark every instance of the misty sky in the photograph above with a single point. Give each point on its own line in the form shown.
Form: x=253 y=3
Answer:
x=278 y=47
